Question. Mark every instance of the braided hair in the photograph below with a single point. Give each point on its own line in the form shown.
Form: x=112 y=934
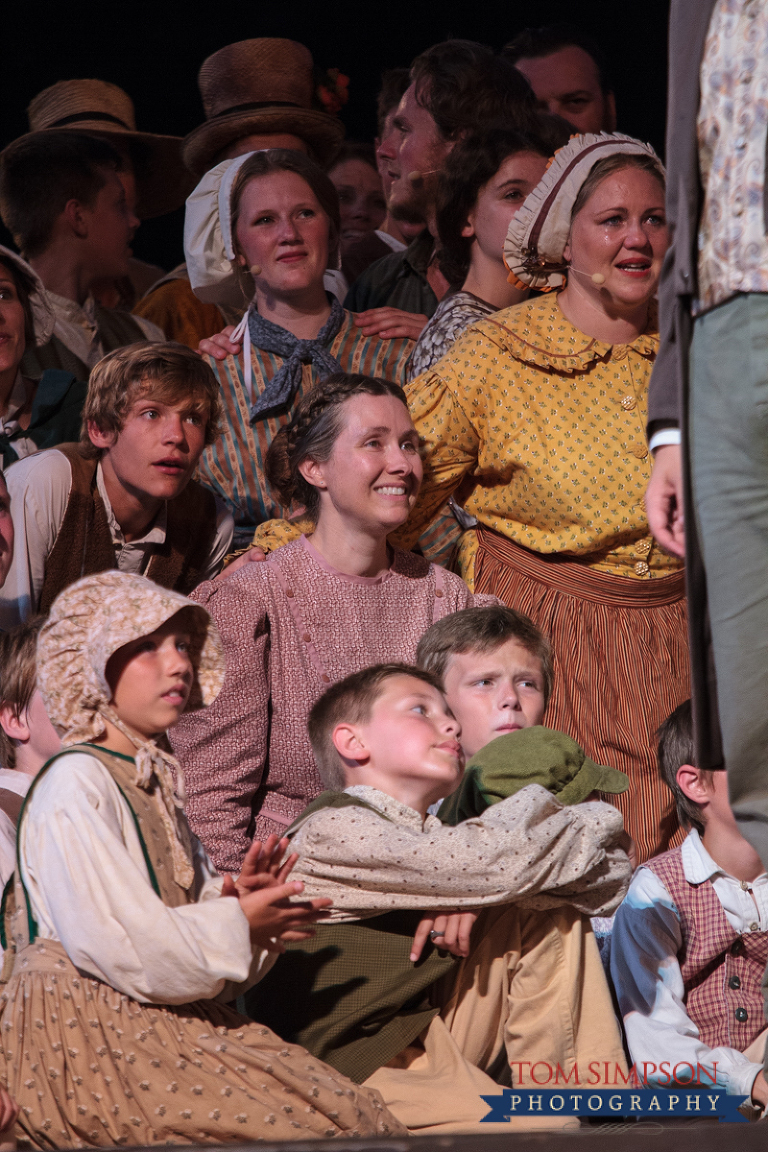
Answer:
x=312 y=433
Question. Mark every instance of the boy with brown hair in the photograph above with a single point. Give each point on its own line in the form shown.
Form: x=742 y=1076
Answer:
x=497 y=673
x=429 y=1032
x=27 y=737
x=690 y=941
x=63 y=198
x=124 y=496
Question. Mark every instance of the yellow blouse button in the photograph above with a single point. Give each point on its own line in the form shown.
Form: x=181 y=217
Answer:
x=643 y=547
x=642 y=568
x=620 y=351
x=628 y=403
x=640 y=450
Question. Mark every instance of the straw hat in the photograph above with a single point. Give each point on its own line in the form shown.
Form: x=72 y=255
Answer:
x=259 y=86
x=95 y=106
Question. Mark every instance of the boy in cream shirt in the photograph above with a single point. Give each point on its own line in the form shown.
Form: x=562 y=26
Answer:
x=431 y=1032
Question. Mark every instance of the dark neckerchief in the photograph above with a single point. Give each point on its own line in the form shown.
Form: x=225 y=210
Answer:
x=272 y=338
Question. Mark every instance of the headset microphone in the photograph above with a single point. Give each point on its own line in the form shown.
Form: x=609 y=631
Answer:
x=255 y=269
x=595 y=277
x=415 y=177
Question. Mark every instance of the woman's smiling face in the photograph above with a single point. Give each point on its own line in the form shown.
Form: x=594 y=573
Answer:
x=374 y=472
x=282 y=229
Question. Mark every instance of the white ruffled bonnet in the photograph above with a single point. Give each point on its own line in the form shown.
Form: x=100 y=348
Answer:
x=210 y=256
x=538 y=233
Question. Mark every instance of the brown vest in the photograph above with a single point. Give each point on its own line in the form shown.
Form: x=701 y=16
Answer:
x=84 y=544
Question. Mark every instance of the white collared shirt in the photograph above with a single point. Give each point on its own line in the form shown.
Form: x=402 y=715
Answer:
x=19 y=783
x=646 y=942
x=39 y=487
x=78 y=330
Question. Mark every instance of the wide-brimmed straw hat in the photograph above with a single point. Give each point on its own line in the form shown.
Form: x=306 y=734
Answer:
x=97 y=107
x=259 y=86
x=539 y=231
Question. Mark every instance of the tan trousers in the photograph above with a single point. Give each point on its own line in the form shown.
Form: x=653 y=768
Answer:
x=532 y=985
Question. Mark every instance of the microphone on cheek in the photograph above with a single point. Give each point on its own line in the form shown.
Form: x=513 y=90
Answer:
x=595 y=277
x=417 y=177
x=255 y=269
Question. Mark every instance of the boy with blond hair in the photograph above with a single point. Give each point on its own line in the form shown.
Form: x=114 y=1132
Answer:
x=690 y=941
x=124 y=496
x=430 y=1031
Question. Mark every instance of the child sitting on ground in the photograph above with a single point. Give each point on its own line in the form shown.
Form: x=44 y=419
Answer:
x=27 y=737
x=127 y=945
x=690 y=941
x=429 y=1035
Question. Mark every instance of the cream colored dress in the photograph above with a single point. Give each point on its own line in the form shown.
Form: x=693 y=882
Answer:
x=115 y=1028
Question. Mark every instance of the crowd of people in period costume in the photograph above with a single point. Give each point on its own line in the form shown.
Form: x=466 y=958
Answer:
x=363 y=745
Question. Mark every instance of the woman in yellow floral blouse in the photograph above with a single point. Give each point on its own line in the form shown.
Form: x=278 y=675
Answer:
x=536 y=419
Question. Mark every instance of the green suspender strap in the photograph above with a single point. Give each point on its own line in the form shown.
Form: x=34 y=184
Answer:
x=89 y=750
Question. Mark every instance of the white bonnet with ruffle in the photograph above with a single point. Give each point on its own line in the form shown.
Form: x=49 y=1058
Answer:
x=538 y=233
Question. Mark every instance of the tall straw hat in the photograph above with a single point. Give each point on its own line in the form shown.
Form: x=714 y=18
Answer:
x=95 y=106
x=259 y=86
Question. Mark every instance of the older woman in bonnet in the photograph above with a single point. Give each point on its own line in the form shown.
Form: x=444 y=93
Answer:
x=34 y=414
x=538 y=412
x=263 y=229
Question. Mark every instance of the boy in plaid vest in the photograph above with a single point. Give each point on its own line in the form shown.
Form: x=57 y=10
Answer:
x=690 y=940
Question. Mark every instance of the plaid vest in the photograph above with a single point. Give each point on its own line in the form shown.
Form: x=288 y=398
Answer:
x=722 y=971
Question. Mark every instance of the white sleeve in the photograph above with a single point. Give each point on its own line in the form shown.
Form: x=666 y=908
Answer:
x=39 y=488
x=528 y=846
x=664 y=436
x=225 y=529
x=7 y=849
x=645 y=943
x=151 y=331
x=83 y=866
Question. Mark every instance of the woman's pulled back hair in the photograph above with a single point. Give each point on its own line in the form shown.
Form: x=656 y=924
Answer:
x=312 y=433
x=288 y=160
x=472 y=162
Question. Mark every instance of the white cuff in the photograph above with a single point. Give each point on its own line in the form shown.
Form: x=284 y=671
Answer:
x=664 y=436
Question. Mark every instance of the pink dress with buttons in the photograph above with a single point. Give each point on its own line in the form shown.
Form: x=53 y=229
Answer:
x=291 y=626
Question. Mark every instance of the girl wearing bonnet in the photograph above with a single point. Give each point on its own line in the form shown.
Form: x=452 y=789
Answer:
x=537 y=415
x=126 y=945
x=260 y=232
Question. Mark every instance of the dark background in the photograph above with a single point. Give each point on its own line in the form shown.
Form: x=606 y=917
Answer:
x=154 y=50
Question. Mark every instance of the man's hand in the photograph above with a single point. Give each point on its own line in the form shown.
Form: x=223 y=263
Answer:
x=249 y=557
x=219 y=346
x=664 y=499
x=452 y=931
x=390 y=322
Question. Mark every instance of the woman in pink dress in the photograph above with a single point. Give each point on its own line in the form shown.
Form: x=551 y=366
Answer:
x=319 y=608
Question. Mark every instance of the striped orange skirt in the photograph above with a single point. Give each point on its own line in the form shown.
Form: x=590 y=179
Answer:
x=621 y=666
